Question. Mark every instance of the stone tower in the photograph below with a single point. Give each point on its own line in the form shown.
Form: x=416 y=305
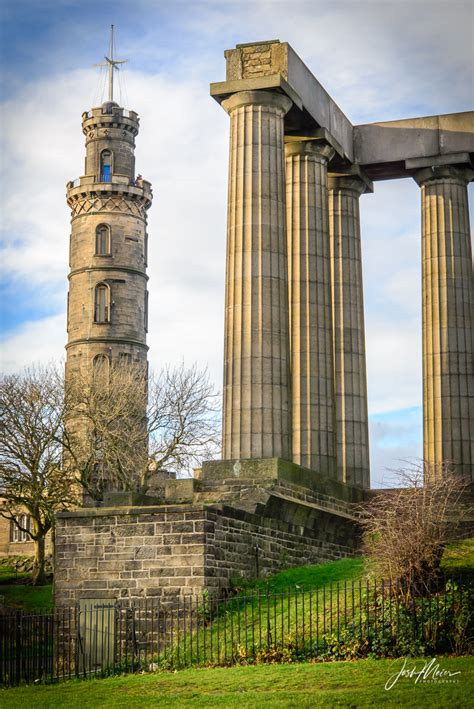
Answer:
x=108 y=299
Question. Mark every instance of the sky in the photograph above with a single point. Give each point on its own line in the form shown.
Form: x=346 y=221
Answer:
x=379 y=60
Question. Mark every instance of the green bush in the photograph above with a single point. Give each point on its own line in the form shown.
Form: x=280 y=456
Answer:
x=398 y=627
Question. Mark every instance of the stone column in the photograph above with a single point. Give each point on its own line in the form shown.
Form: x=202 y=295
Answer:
x=349 y=336
x=312 y=375
x=256 y=416
x=448 y=320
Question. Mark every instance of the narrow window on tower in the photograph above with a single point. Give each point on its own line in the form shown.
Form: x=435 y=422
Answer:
x=102 y=303
x=101 y=365
x=145 y=249
x=145 y=312
x=105 y=166
x=102 y=240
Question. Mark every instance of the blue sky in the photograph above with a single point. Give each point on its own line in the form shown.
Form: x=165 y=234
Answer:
x=379 y=59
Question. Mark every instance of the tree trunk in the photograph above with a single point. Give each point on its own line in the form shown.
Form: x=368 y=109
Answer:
x=39 y=577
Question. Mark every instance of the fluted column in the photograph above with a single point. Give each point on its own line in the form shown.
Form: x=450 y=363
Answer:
x=448 y=320
x=350 y=376
x=256 y=421
x=312 y=383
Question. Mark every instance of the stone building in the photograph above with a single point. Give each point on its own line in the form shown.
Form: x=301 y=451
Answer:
x=15 y=541
x=295 y=439
x=107 y=313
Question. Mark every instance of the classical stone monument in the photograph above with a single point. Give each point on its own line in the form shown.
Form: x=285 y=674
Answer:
x=295 y=436
x=295 y=374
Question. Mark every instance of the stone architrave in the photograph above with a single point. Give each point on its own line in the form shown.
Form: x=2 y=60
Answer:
x=350 y=375
x=256 y=414
x=448 y=320
x=311 y=345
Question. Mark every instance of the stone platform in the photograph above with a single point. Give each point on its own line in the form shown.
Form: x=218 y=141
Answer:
x=234 y=520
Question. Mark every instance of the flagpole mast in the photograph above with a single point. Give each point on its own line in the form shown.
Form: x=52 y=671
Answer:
x=111 y=64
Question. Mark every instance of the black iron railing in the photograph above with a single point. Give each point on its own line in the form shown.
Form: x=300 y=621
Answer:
x=335 y=621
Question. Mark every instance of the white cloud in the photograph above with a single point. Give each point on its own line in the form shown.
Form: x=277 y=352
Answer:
x=37 y=342
x=396 y=443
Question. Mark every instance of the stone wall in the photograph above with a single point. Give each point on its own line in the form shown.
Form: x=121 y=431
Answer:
x=240 y=544
x=177 y=550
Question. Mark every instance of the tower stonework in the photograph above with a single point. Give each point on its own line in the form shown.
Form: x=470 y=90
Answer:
x=108 y=299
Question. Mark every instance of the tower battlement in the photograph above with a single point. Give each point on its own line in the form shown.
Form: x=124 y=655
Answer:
x=110 y=114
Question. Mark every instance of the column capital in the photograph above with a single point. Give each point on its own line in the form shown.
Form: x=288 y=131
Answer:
x=441 y=173
x=318 y=149
x=358 y=183
x=271 y=99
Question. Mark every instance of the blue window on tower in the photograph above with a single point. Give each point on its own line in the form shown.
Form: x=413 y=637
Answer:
x=105 y=166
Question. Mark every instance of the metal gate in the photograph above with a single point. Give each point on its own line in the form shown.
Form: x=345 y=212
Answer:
x=96 y=635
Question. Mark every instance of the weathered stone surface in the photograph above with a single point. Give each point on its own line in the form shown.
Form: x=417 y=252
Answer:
x=118 y=202
x=389 y=148
x=256 y=414
x=311 y=336
x=266 y=65
x=350 y=376
x=236 y=543
x=448 y=319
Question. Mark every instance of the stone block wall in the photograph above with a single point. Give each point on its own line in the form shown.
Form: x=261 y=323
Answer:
x=240 y=544
x=178 y=550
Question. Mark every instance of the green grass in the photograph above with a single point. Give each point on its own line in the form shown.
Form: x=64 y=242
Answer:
x=313 y=575
x=341 y=684
x=459 y=557
x=306 y=605
x=15 y=592
x=27 y=598
x=302 y=607
x=8 y=572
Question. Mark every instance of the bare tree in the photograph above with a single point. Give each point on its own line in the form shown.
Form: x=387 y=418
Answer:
x=105 y=432
x=183 y=425
x=121 y=426
x=31 y=478
x=406 y=529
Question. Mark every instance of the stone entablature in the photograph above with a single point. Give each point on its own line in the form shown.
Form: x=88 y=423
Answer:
x=383 y=150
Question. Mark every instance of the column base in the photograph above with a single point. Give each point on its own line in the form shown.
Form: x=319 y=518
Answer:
x=261 y=471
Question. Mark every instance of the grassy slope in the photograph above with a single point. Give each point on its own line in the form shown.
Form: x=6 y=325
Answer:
x=290 y=617
x=342 y=684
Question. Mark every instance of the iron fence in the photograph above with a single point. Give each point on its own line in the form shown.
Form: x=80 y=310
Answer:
x=333 y=621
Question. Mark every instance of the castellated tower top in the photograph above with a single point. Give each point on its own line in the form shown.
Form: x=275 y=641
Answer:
x=110 y=132
x=107 y=313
